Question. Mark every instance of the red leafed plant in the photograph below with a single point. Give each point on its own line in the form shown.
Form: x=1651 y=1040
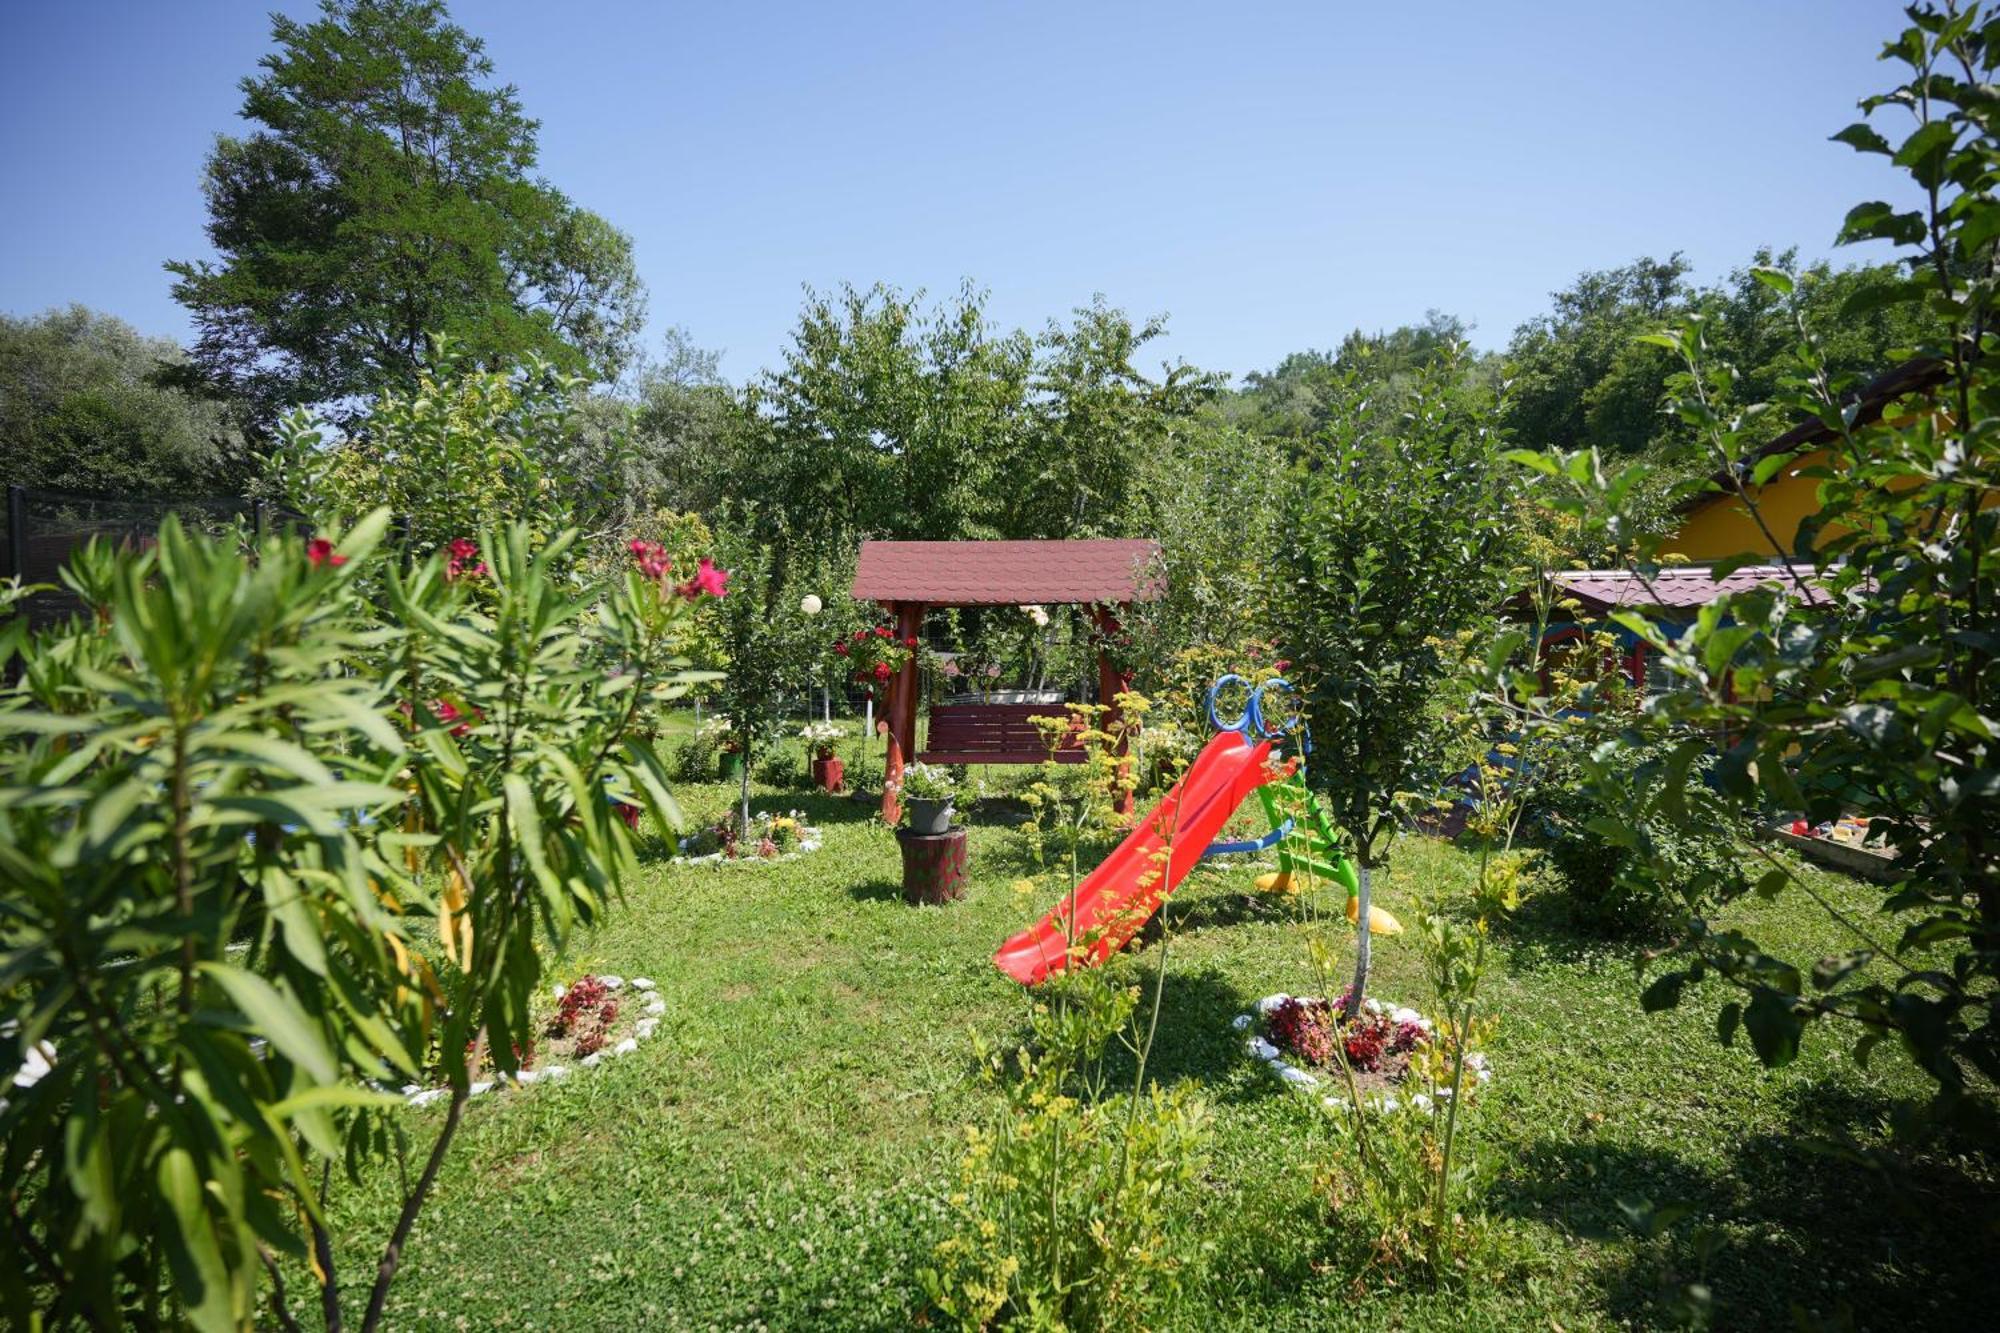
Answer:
x=1305 y=1028
x=1308 y=1028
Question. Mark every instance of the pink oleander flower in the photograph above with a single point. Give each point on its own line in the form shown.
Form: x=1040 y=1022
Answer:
x=708 y=581
x=459 y=563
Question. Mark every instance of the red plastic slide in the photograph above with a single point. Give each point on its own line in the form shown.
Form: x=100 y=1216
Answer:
x=1121 y=894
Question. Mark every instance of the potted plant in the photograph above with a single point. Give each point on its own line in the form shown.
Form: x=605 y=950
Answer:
x=819 y=738
x=928 y=791
x=718 y=735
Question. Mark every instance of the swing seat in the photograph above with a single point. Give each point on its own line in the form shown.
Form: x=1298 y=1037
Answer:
x=983 y=733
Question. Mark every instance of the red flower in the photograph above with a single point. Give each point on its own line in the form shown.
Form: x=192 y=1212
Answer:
x=636 y=547
x=1283 y=663
x=448 y=714
x=319 y=551
x=461 y=550
x=910 y=643
x=841 y=648
x=881 y=671
x=884 y=632
x=708 y=581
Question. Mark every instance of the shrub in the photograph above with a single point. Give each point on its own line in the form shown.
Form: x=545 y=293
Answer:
x=1612 y=888
x=1064 y=1216
x=233 y=799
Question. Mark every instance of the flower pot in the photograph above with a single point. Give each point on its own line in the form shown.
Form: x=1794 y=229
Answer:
x=929 y=817
x=827 y=774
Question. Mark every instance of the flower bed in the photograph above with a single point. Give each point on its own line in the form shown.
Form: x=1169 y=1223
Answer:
x=589 y=1021
x=1388 y=1047
x=773 y=837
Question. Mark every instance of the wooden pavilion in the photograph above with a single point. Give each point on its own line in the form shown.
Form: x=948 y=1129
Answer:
x=910 y=578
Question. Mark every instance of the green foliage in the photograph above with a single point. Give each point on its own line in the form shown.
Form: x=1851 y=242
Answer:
x=1864 y=684
x=232 y=799
x=1301 y=398
x=82 y=409
x=772 y=648
x=1656 y=872
x=1067 y=1211
x=1394 y=544
x=460 y=451
x=891 y=420
x=386 y=195
x=1583 y=376
x=1214 y=501
x=687 y=430
x=928 y=782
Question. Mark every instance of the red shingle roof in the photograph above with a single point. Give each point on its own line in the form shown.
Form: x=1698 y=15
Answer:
x=1680 y=586
x=1007 y=573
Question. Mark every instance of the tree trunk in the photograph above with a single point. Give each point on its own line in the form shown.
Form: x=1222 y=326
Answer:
x=745 y=779
x=1361 y=946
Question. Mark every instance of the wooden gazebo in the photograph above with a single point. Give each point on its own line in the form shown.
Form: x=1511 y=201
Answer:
x=909 y=578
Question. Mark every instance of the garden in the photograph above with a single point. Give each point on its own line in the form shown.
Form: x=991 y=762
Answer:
x=776 y=869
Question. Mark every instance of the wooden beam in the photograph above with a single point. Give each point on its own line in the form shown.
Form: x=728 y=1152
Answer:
x=1112 y=682
x=902 y=721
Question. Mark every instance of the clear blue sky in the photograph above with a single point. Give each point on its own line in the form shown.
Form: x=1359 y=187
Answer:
x=1270 y=176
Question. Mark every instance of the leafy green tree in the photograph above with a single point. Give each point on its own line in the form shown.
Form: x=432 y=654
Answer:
x=1300 y=397
x=892 y=420
x=688 y=429
x=1866 y=686
x=887 y=419
x=1394 y=547
x=459 y=452
x=1585 y=377
x=82 y=409
x=773 y=650
x=1579 y=374
x=1093 y=421
x=387 y=197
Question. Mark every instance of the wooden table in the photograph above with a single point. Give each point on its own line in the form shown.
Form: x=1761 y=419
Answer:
x=933 y=866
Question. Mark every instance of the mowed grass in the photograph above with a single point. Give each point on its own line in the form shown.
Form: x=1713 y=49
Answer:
x=778 y=1155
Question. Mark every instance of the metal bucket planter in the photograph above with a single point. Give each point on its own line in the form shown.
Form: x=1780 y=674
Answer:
x=928 y=818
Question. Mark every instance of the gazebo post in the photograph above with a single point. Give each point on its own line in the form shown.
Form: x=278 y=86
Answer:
x=902 y=710
x=1112 y=682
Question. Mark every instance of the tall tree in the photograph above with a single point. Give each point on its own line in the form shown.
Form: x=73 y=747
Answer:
x=1585 y=378
x=387 y=196
x=1300 y=397
x=1395 y=546
x=1580 y=374
x=1093 y=420
x=82 y=409
x=887 y=418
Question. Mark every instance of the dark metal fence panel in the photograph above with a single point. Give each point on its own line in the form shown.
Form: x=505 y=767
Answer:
x=44 y=528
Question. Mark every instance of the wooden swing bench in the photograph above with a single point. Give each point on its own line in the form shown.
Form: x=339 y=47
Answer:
x=983 y=733
x=909 y=578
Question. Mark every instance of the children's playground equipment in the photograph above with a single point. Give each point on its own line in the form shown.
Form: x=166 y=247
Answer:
x=1118 y=897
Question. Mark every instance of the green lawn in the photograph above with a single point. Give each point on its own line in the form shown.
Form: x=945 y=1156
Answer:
x=777 y=1155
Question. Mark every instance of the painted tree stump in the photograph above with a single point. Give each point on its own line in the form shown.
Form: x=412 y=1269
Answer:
x=933 y=866
x=829 y=774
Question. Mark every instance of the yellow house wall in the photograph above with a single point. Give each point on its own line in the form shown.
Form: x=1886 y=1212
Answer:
x=1722 y=527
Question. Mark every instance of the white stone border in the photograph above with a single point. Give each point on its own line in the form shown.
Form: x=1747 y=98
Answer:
x=809 y=841
x=806 y=844
x=654 y=1008
x=1304 y=1080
